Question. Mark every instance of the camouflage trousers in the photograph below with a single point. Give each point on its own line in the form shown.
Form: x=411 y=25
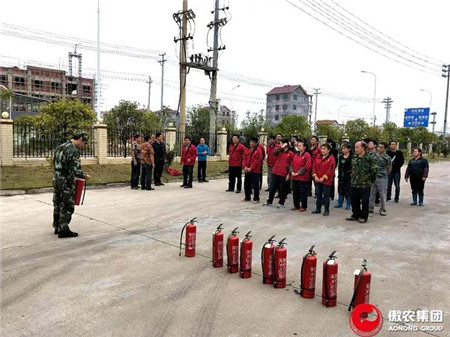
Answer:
x=63 y=203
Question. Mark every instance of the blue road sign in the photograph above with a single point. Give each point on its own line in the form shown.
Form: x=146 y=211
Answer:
x=416 y=117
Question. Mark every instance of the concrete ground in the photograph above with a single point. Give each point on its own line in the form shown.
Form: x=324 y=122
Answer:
x=123 y=277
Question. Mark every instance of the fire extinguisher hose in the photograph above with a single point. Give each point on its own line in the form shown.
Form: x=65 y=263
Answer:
x=325 y=280
x=181 y=237
x=357 y=285
x=84 y=191
x=301 y=274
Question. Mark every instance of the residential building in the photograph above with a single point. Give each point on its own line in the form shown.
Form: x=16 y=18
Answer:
x=225 y=115
x=45 y=84
x=285 y=101
x=331 y=122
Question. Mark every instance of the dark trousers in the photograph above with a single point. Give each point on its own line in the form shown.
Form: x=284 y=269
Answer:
x=417 y=184
x=360 y=202
x=234 y=172
x=157 y=174
x=393 y=178
x=332 y=189
x=146 y=176
x=311 y=183
x=187 y=175
x=201 y=170
x=135 y=173
x=251 y=183
x=323 y=196
x=300 y=193
x=278 y=183
x=260 y=175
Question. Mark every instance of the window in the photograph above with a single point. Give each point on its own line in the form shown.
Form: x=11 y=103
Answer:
x=55 y=86
x=294 y=107
x=284 y=106
x=19 y=81
x=3 y=79
x=38 y=84
x=277 y=107
x=87 y=89
x=285 y=96
x=295 y=97
x=87 y=100
x=277 y=117
x=277 y=97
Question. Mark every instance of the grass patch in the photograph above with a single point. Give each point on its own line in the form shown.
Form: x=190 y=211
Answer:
x=25 y=178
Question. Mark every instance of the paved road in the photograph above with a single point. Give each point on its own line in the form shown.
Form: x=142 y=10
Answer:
x=122 y=276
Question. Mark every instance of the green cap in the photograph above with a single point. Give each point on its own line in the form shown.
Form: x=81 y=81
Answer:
x=81 y=135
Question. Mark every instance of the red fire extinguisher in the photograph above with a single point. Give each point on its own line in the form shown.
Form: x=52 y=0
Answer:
x=233 y=251
x=189 y=242
x=217 y=247
x=245 y=270
x=267 y=253
x=308 y=274
x=361 y=290
x=80 y=186
x=280 y=263
x=329 y=282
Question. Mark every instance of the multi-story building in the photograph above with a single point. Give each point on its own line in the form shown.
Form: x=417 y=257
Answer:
x=285 y=101
x=225 y=116
x=45 y=84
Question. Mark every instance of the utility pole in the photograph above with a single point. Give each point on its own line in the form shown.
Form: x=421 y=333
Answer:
x=446 y=73
x=162 y=61
x=316 y=93
x=387 y=104
x=434 y=120
x=98 y=78
x=213 y=94
x=149 y=91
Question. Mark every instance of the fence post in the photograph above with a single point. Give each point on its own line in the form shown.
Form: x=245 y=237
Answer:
x=345 y=138
x=263 y=137
x=6 y=142
x=430 y=148
x=409 y=147
x=171 y=137
x=101 y=146
x=222 y=143
x=322 y=139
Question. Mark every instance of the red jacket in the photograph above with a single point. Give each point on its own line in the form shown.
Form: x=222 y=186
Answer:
x=271 y=159
x=302 y=161
x=190 y=153
x=284 y=160
x=253 y=159
x=324 y=167
x=263 y=150
x=315 y=153
x=236 y=154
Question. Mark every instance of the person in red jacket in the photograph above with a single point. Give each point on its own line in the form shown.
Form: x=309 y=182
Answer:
x=188 y=156
x=280 y=173
x=323 y=172
x=271 y=159
x=252 y=168
x=300 y=173
x=314 y=151
x=236 y=153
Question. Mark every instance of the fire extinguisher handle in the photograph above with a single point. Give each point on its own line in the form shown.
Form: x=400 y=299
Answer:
x=332 y=256
x=270 y=240
x=311 y=250
x=248 y=236
x=193 y=220
x=364 y=264
x=220 y=227
x=282 y=243
x=234 y=231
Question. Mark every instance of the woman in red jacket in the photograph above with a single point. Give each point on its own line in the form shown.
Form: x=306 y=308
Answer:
x=301 y=172
x=323 y=172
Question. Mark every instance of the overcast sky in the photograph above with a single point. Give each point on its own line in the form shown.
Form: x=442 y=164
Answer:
x=268 y=42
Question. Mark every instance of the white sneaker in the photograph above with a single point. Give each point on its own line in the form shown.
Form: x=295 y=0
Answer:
x=267 y=204
x=280 y=206
x=256 y=201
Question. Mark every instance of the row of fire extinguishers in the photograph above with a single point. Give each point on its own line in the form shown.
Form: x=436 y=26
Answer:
x=274 y=264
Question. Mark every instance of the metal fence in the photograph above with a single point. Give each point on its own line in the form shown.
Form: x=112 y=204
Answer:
x=120 y=140
x=30 y=141
x=210 y=140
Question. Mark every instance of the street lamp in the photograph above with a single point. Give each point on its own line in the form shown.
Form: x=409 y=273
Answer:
x=339 y=111
x=232 y=104
x=374 y=93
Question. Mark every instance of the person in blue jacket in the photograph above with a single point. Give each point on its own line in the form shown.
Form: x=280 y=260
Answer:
x=203 y=152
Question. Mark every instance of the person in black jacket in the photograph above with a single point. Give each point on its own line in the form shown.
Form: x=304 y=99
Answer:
x=398 y=160
x=417 y=173
x=335 y=153
x=160 y=155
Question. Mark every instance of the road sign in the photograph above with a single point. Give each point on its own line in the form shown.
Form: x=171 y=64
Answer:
x=416 y=117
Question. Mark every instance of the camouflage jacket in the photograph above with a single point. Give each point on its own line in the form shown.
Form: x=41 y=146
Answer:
x=364 y=171
x=66 y=163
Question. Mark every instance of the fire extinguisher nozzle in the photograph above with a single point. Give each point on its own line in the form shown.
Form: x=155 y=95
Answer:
x=332 y=255
x=248 y=235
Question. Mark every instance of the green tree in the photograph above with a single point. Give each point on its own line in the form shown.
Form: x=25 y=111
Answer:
x=356 y=129
x=375 y=132
x=390 y=132
x=253 y=123
x=150 y=121
x=404 y=135
x=421 y=135
x=197 y=122
x=293 y=126
x=65 y=116
x=334 y=132
x=125 y=115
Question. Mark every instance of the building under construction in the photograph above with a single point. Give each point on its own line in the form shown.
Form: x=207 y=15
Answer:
x=33 y=86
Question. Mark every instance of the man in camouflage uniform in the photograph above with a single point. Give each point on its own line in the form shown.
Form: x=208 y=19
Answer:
x=67 y=167
x=364 y=173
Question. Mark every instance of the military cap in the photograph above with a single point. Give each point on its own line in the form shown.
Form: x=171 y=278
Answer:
x=81 y=135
